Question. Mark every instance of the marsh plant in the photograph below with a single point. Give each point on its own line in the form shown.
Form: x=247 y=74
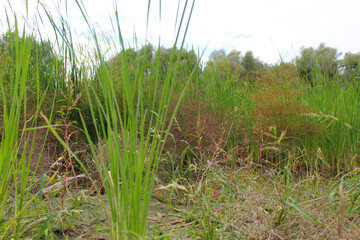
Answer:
x=134 y=131
x=18 y=131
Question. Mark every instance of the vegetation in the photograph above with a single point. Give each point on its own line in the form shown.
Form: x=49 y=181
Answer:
x=171 y=149
x=323 y=60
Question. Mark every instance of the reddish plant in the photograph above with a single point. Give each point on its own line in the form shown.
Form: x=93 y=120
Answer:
x=277 y=104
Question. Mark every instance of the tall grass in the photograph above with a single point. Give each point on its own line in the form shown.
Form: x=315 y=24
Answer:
x=134 y=131
x=18 y=134
x=11 y=122
x=336 y=105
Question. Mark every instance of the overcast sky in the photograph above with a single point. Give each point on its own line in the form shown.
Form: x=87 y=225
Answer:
x=268 y=28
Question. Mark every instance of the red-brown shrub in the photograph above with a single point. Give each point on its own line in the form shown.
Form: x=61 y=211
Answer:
x=277 y=104
x=196 y=127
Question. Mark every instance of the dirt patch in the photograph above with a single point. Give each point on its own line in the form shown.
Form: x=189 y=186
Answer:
x=44 y=151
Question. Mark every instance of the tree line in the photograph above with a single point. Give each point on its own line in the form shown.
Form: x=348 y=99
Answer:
x=322 y=60
x=234 y=65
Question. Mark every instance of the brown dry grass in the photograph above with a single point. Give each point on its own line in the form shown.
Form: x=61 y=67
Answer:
x=280 y=108
x=198 y=128
x=276 y=104
x=248 y=206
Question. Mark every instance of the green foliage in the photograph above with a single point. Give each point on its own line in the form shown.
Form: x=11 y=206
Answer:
x=335 y=107
x=147 y=57
x=155 y=64
x=11 y=123
x=188 y=62
x=225 y=67
x=18 y=135
x=43 y=63
x=134 y=126
x=351 y=65
x=323 y=60
x=252 y=65
x=232 y=70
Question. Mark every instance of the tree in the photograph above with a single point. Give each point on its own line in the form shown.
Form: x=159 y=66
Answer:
x=225 y=67
x=188 y=61
x=322 y=60
x=217 y=56
x=327 y=60
x=305 y=63
x=188 y=64
x=252 y=65
x=351 y=65
x=152 y=60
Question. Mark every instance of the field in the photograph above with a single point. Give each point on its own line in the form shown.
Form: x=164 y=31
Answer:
x=151 y=143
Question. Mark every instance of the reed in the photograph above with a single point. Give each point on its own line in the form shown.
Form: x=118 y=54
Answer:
x=18 y=128
x=134 y=131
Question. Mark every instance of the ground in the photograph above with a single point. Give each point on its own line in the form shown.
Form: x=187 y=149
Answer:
x=234 y=201
x=245 y=205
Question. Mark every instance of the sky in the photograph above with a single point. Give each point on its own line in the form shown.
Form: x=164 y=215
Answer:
x=270 y=29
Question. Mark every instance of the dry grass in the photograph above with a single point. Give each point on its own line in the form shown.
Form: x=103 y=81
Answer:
x=247 y=206
x=198 y=128
x=276 y=104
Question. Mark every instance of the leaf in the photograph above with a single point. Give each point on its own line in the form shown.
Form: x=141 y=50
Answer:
x=302 y=212
x=282 y=136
